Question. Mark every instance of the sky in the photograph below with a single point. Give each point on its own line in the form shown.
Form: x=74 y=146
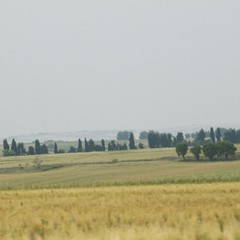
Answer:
x=68 y=65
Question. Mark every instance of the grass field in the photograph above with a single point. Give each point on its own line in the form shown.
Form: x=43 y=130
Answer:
x=149 y=166
x=203 y=211
x=140 y=194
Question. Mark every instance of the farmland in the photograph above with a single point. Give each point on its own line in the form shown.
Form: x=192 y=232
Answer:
x=204 y=211
x=139 y=194
x=148 y=166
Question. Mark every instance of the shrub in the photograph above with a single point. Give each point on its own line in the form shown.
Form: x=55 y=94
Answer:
x=9 y=153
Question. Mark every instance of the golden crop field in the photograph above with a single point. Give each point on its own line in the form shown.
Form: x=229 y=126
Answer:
x=140 y=194
x=188 y=211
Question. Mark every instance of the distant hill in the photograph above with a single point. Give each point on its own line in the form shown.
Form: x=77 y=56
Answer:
x=105 y=134
x=65 y=136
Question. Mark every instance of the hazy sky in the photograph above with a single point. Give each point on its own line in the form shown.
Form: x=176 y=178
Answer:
x=127 y=64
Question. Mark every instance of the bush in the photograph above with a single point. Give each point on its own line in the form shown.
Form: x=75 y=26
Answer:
x=9 y=153
x=140 y=146
x=37 y=162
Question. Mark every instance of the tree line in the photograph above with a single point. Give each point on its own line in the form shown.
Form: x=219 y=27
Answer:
x=209 y=150
x=91 y=146
x=154 y=138
x=157 y=140
x=167 y=139
x=18 y=149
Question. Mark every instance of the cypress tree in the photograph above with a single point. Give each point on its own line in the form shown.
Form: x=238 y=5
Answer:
x=31 y=150
x=14 y=146
x=37 y=147
x=91 y=145
x=103 y=145
x=21 y=149
x=5 y=145
x=212 y=135
x=218 y=134
x=86 y=145
x=79 y=148
x=55 y=148
x=131 y=141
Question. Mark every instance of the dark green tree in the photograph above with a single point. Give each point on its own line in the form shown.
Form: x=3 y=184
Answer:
x=37 y=147
x=225 y=148
x=98 y=148
x=169 y=140
x=140 y=146
x=132 y=141
x=209 y=150
x=212 y=135
x=43 y=149
x=91 y=145
x=238 y=135
x=182 y=149
x=174 y=142
x=14 y=146
x=201 y=135
x=61 y=151
x=218 y=134
x=123 y=135
x=31 y=150
x=122 y=147
x=196 y=151
x=143 y=135
x=86 y=145
x=79 y=147
x=179 y=137
x=103 y=145
x=5 y=145
x=112 y=146
x=165 y=139
x=187 y=135
x=231 y=136
x=55 y=148
x=153 y=139
x=21 y=149
x=72 y=149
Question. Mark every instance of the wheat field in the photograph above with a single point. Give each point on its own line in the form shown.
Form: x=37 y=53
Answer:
x=187 y=211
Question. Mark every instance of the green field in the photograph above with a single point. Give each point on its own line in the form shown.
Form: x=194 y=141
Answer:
x=138 y=167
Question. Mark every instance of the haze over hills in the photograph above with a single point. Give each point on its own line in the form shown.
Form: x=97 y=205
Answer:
x=104 y=134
